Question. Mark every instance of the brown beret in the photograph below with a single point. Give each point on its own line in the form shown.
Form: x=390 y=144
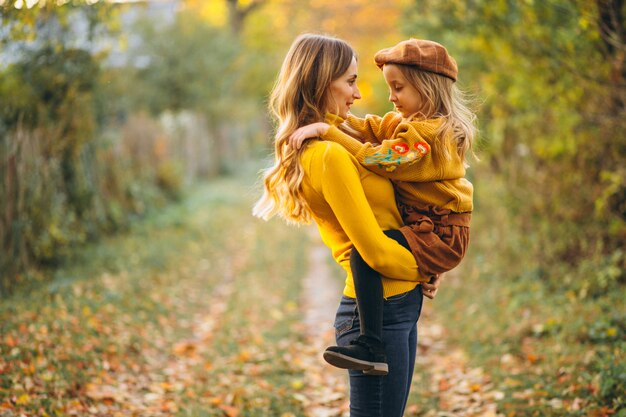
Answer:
x=425 y=55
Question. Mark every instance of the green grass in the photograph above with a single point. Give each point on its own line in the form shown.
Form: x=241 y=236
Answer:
x=192 y=313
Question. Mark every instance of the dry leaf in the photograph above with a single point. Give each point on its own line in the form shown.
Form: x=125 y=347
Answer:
x=186 y=348
x=443 y=385
x=103 y=393
x=230 y=411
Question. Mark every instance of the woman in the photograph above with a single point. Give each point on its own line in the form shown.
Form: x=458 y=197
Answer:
x=351 y=207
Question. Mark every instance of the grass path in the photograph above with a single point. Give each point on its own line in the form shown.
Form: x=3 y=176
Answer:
x=194 y=313
x=203 y=311
x=326 y=387
x=199 y=311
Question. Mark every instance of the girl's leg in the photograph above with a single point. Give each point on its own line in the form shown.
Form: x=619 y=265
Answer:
x=369 y=297
x=367 y=352
x=369 y=291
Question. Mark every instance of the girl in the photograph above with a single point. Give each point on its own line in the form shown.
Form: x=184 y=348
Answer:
x=421 y=147
x=351 y=205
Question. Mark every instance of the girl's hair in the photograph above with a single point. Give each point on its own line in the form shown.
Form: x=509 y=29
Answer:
x=451 y=104
x=300 y=96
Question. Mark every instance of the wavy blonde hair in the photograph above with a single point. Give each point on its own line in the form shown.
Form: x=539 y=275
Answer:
x=451 y=104
x=300 y=96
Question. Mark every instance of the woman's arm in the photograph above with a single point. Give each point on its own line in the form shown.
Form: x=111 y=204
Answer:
x=342 y=190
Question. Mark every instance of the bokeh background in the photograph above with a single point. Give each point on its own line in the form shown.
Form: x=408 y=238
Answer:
x=114 y=111
x=111 y=108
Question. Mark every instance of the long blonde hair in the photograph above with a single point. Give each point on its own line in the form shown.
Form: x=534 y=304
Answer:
x=300 y=96
x=451 y=104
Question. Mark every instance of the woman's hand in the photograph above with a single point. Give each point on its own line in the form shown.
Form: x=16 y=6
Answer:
x=306 y=132
x=429 y=289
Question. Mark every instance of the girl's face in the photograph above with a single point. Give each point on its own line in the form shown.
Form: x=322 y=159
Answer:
x=343 y=91
x=405 y=97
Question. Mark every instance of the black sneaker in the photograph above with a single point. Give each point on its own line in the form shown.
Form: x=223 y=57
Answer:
x=363 y=354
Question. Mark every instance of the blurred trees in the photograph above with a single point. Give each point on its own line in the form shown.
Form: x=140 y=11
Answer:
x=192 y=67
x=47 y=126
x=238 y=12
x=87 y=145
x=101 y=120
x=551 y=74
x=367 y=25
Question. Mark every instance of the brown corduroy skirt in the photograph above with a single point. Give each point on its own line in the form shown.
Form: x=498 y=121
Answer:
x=438 y=237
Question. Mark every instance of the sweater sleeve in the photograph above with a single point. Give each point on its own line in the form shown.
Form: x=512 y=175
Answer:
x=396 y=157
x=342 y=190
x=372 y=127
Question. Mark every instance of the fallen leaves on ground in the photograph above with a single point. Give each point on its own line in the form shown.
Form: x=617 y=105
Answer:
x=198 y=317
x=459 y=389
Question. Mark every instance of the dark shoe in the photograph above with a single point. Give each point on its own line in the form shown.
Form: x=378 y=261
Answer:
x=363 y=354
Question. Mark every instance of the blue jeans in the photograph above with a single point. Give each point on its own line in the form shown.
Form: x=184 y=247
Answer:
x=383 y=396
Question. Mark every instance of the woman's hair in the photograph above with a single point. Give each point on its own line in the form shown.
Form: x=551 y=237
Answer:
x=300 y=96
x=448 y=102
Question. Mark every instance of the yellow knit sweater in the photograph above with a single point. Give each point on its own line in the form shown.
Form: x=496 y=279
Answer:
x=352 y=206
x=401 y=151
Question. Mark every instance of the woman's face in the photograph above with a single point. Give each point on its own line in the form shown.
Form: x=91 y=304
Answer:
x=343 y=91
x=406 y=98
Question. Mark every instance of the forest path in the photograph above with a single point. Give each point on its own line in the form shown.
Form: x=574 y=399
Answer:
x=196 y=313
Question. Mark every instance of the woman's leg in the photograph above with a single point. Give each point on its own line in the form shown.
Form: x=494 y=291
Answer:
x=384 y=396
x=412 y=355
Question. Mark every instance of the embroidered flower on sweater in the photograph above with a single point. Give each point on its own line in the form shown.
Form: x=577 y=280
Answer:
x=391 y=160
x=401 y=148
x=422 y=147
x=411 y=156
x=399 y=153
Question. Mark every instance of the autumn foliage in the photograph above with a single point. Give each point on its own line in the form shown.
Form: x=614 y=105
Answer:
x=112 y=111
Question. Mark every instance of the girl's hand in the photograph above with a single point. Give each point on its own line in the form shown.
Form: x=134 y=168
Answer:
x=306 y=132
x=429 y=289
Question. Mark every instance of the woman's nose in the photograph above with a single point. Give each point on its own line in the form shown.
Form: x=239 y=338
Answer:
x=357 y=94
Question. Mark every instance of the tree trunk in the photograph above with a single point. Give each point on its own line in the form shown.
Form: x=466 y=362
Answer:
x=238 y=14
x=612 y=31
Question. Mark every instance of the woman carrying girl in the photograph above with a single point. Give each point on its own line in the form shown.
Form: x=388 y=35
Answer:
x=351 y=206
x=421 y=147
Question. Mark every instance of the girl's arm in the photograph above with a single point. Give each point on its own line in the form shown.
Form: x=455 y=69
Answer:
x=303 y=133
x=402 y=157
x=342 y=190
x=373 y=128
x=370 y=129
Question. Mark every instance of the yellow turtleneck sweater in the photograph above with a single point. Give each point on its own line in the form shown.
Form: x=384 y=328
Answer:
x=401 y=151
x=351 y=207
